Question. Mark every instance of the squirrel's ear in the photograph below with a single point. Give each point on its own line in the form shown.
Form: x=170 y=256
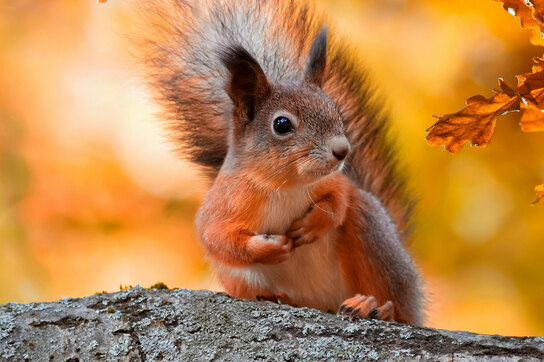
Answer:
x=315 y=70
x=248 y=85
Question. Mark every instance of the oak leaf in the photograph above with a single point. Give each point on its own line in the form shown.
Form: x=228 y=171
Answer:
x=531 y=15
x=475 y=123
x=532 y=119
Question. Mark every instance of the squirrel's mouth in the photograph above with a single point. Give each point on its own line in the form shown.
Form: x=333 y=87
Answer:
x=301 y=170
x=320 y=169
x=324 y=160
x=325 y=172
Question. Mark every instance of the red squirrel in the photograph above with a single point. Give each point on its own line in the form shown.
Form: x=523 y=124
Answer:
x=305 y=206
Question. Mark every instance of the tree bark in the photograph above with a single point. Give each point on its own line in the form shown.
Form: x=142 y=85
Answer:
x=150 y=324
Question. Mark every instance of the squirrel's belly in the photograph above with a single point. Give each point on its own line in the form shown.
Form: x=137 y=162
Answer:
x=312 y=277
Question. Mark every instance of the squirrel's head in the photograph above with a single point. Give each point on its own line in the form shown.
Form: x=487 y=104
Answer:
x=284 y=134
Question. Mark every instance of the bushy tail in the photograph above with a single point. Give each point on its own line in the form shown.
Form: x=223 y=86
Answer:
x=178 y=49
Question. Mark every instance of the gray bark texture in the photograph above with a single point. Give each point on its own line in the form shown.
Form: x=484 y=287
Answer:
x=151 y=324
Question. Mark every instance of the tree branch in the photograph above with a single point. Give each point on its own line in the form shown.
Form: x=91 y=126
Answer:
x=150 y=324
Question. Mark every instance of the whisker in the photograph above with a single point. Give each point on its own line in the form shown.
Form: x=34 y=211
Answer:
x=283 y=183
x=274 y=172
x=297 y=156
x=307 y=189
x=316 y=205
x=304 y=166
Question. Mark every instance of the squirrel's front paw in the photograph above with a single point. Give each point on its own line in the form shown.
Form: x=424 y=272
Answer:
x=362 y=306
x=271 y=249
x=308 y=229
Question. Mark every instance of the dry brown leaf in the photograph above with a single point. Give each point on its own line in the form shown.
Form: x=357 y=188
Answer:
x=531 y=85
x=531 y=15
x=532 y=119
x=474 y=124
x=536 y=38
x=539 y=193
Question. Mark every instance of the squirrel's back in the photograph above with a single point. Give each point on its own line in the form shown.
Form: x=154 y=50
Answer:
x=180 y=49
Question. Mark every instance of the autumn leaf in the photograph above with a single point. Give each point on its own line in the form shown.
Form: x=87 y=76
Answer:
x=102 y=1
x=531 y=15
x=474 y=124
x=539 y=193
x=532 y=119
x=531 y=85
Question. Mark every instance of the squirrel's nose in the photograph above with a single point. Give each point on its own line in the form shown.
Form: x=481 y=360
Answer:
x=340 y=147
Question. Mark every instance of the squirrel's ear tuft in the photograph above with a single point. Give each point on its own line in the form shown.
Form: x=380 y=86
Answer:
x=315 y=70
x=248 y=85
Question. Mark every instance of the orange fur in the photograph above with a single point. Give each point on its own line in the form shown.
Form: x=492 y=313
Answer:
x=229 y=231
x=330 y=203
x=225 y=226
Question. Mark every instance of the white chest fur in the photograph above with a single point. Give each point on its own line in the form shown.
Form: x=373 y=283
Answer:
x=312 y=277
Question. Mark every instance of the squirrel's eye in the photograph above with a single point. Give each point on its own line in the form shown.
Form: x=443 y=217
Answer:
x=282 y=125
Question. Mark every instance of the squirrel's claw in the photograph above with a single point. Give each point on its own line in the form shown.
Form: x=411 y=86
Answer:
x=295 y=233
x=362 y=306
x=302 y=232
x=301 y=236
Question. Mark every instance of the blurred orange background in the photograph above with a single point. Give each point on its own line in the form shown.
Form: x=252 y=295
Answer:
x=91 y=195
